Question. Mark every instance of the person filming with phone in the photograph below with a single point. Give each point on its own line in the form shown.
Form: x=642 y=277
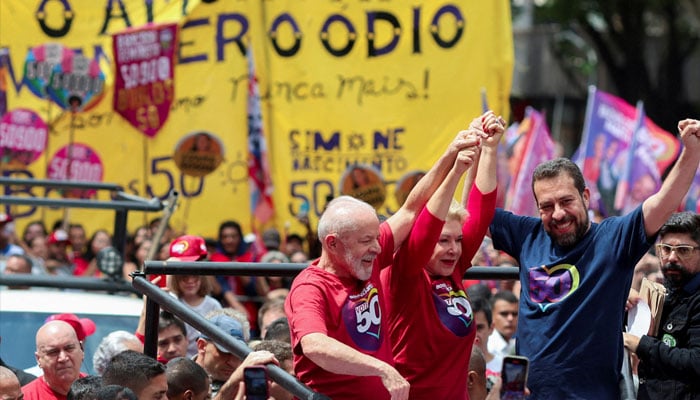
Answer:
x=669 y=365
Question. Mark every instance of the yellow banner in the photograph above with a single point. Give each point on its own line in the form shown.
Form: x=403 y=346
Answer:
x=380 y=84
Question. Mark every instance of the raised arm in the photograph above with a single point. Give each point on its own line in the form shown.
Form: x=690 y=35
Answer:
x=402 y=221
x=486 y=176
x=659 y=207
x=336 y=357
x=417 y=249
x=439 y=203
x=484 y=173
x=481 y=208
x=469 y=180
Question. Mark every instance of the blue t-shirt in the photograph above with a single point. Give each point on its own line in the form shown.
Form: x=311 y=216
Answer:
x=572 y=302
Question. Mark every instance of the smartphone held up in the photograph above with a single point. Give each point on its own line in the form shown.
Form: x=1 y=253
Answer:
x=255 y=378
x=514 y=377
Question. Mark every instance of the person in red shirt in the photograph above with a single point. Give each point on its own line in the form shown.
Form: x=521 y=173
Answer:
x=232 y=248
x=335 y=306
x=78 y=248
x=59 y=354
x=430 y=317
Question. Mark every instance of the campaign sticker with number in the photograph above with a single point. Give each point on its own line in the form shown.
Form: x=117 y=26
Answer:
x=76 y=162
x=23 y=137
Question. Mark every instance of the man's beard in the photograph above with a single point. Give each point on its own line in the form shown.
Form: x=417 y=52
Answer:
x=355 y=264
x=570 y=239
x=675 y=275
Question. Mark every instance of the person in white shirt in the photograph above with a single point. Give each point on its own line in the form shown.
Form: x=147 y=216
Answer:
x=505 y=320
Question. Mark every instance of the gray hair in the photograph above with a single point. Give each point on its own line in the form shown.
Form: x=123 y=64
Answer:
x=110 y=346
x=339 y=215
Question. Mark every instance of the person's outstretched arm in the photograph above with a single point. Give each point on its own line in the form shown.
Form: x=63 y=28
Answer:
x=659 y=206
x=481 y=200
x=486 y=174
x=492 y=128
x=402 y=221
x=439 y=203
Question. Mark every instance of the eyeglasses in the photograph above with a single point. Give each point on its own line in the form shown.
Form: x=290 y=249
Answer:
x=54 y=353
x=683 y=251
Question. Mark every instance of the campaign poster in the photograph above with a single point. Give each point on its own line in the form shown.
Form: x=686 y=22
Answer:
x=144 y=81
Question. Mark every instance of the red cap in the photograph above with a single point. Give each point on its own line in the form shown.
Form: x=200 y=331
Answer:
x=188 y=248
x=4 y=218
x=58 y=236
x=84 y=327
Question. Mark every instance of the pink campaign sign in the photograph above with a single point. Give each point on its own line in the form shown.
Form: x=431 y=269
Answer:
x=76 y=162
x=144 y=82
x=23 y=137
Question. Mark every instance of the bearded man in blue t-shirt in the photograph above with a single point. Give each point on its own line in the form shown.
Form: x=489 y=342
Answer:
x=576 y=275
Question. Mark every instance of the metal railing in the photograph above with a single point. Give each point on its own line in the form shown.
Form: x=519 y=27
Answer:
x=284 y=269
x=125 y=202
x=157 y=298
x=67 y=282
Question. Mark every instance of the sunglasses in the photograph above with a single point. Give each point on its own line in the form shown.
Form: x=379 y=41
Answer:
x=683 y=251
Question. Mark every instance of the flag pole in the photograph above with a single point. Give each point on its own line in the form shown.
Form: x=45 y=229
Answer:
x=623 y=186
x=585 y=135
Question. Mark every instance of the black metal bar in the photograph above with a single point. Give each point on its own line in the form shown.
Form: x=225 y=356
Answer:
x=60 y=184
x=239 y=349
x=119 y=236
x=150 y=343
x=285 y=269
x=78 y=203
x=222 y=268
x=494 y=272
x=66 y=282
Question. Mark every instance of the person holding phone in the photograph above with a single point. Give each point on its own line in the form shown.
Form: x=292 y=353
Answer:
x=430 y=317
x=336 y=307
x=576 y=274
x=669 y=362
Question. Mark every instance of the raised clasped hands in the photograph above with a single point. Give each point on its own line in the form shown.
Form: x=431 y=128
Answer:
x=490 y=127
x=689 y=130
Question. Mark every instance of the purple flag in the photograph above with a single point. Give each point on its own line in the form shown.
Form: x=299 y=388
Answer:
x=606 y=142
x=692 y=199
x=539 y=147
x=640 y=178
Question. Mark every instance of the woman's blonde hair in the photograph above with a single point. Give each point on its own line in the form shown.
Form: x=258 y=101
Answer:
x=456 y=213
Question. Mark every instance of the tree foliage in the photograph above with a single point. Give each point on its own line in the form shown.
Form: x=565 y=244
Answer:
x=644 y=46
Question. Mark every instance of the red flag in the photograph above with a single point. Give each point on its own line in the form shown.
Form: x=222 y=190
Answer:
x=260 y=181
x=539 y=147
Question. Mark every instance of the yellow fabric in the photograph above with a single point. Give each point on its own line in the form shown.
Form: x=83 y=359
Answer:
x=396 y=111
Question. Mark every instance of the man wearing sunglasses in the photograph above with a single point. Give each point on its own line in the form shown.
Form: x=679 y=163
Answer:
x=670 y=361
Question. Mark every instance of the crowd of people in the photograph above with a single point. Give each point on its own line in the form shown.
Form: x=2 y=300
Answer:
x=382 y=311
